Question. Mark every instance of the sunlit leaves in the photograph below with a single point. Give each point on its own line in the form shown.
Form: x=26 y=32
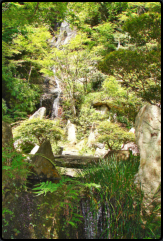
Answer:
x=113 y=135
x=37 y=130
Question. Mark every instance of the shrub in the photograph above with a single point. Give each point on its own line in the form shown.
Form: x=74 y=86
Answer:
x=113 y=135
x=37 y=130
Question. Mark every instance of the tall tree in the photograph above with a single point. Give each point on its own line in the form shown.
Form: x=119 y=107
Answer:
x=138 y=66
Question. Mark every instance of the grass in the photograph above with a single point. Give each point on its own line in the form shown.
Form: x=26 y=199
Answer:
x=121 y=195
x=112 y=202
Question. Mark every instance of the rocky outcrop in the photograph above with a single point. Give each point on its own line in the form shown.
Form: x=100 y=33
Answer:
x=119 y=155
x=100 y=152
x=148 y=138
x=131 y=146
x=92 y=136
x=71 y=131
x=43 y=162
x=65 y=35
x=74 y=161
x=40 y=113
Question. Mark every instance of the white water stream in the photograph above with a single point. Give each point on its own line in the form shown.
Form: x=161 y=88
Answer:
x=56 y=101
x=65 y=35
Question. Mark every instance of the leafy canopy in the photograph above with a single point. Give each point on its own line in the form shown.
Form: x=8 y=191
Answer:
x=37 y=130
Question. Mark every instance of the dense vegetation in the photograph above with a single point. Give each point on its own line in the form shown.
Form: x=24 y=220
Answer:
x=114 y=59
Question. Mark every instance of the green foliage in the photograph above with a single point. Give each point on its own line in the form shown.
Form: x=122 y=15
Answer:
x=113 y=135
x=20 y=95
x=121 y=100
x=14 y=168
x=87 y=116
x=113 y=88
x=138 y=64
x=97 y=80
x=71 y=195
x=4 y=107
x=37 y=130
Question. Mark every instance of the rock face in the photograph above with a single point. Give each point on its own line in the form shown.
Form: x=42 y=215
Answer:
x=7 y=137
x=42 y=165
x=66 y=33
x=40 y=113
x=71 y=131
x=92 y=136
x=120 y=155
x=74 y=161
x=148 y=138
x=131 y=146
x=100 y=152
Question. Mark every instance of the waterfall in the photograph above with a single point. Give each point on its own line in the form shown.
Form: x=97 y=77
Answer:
x=56 y=101
x=96 y=220
x=66 y=33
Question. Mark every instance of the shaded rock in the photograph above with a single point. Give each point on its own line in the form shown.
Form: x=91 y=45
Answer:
x=7 y=137
x=40 y=113
x=98 y=104
x=74 y=161
x=148 y=138
x=43 y=160
x=23 y=146
x=103 y=109
x=71 y=172
x=120 y=155
x=131 y=146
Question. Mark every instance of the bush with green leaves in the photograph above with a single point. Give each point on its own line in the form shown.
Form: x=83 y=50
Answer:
x=5 y=116
x=113 y=135
x=87 y=116
x=37 y=130
x=14 y=168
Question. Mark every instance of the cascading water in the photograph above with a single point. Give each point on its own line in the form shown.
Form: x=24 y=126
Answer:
x=96 y=220
x=66 y=33
x=56 y=101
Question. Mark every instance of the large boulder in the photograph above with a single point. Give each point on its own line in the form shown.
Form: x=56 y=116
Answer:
x=42 y=162
x=131 y=146
x=40 y=113
x=148 y=138
x=100 y=152
x=71 y=131
x=119 y=155
x=92 y=136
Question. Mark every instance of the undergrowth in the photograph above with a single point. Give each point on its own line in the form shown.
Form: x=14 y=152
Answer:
x=110 y=184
